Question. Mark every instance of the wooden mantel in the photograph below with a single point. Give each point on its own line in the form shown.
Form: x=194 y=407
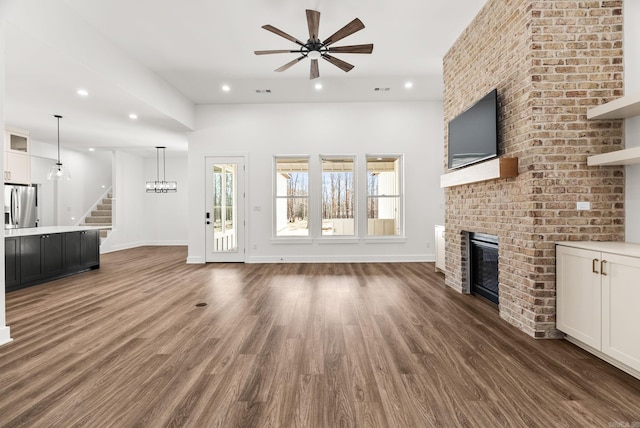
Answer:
x=490 y=170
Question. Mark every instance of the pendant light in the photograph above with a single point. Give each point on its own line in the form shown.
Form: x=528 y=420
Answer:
x=58 y=171
x=161 y=186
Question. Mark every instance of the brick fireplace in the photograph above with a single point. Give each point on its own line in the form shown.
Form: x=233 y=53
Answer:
x=550 y=61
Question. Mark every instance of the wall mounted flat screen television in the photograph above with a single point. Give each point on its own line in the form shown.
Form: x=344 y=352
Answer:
x=473 y=134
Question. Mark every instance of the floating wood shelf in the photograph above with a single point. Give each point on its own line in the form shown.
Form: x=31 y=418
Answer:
x=490 y=170
x=619 y=157
x=622 y=108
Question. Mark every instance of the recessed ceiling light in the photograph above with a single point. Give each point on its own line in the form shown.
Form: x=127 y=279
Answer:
x=226 y=88
x=318 y=86
x=91 y=149
x=133 y=116
x=82 y=92
x=408 y=85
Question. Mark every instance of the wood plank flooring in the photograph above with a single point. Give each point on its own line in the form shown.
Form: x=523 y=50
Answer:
x=286 y=345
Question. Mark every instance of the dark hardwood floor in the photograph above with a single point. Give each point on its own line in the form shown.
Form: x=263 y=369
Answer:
x=281 y=345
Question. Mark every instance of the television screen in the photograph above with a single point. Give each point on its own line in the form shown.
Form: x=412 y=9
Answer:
x=473 y=135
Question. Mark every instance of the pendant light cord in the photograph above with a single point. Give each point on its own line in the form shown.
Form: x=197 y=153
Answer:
x=58 y=117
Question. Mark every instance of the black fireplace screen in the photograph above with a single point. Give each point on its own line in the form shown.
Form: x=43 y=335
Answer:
x=484 y=266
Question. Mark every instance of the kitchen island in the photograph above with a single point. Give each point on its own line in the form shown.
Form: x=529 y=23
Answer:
x=40 y=254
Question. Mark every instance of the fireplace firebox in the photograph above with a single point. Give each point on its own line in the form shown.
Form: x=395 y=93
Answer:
x=484 y=266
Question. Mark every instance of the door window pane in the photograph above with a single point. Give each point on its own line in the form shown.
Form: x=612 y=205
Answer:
x=338 y=196
x=224 y=210
x=292 y=196
x=384 y=194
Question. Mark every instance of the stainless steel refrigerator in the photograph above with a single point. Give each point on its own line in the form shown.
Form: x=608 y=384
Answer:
x=20 y=206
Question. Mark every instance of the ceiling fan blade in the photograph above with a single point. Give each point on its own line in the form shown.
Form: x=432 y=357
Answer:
x=282 y=34
x=344 y=66
x=273 y=52
x=313 y=22
x=315 y=71
x=355 y=49
x=347 y=30
x=290 y=64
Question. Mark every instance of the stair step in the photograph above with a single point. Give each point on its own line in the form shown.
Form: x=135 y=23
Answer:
x=98 y=220
x=103 y=207
x=107 y=201
x=101 y=213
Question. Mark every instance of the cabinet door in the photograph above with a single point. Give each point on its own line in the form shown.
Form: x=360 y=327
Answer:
x=11 y=262
x=620 y=314
x=17 y=141
x=17 y=168
x=30 y=258
x=52 y=255
x=90 y=248
x=578 y=298
x=72 y=251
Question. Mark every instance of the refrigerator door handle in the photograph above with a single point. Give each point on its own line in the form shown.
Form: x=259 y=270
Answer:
x=12 y=211
x=17 y=217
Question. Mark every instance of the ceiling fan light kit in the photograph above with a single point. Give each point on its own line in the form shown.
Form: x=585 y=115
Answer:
x=314 y=48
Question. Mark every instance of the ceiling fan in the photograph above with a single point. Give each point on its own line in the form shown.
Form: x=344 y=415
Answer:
x=315 y=48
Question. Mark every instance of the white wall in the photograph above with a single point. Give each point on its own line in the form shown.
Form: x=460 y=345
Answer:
x=142 y=218
x=632 y=125
x=90 y=179
x=166 y=213
x=4 y=330
x=65 y=203
x=129 y=215
x=262 y=131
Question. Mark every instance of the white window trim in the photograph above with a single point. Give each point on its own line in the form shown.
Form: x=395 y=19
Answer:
x=289 y=239
x=356 y=209
x=379 y=239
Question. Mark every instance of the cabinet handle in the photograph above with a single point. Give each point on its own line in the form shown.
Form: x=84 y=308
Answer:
x=593 y=265
x=602 y=272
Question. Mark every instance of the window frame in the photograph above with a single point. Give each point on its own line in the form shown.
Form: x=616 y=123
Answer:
x=275 y=198
x=355 y=237
x=401 y=236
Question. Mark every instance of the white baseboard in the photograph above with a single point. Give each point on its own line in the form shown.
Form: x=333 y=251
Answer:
x=342 y=259
x=5 y=335
x=143 y=244
x=121 y=247
x=195 y=260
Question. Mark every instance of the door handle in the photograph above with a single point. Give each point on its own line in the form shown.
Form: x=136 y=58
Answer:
x=593 y=265
x=602 y=272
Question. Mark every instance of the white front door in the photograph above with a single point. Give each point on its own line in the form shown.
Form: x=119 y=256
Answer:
x=224 y=210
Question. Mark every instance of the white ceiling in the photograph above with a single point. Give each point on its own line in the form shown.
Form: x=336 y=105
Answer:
x=196 y=46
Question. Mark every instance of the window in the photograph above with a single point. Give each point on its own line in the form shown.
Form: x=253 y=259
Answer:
x=224 y=216
x=338 y=196
x=383 y=196
x=292 y=196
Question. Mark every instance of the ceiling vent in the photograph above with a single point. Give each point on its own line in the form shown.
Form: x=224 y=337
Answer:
x=263 y=91
x=382 y=89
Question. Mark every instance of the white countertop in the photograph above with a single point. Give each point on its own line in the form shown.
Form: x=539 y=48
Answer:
x=621 y=248
x=30 y=231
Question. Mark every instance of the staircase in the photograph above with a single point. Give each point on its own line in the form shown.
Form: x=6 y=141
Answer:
x=101 y=215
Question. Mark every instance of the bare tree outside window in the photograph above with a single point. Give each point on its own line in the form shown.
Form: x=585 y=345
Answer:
x=292 y=197
x=338 y=196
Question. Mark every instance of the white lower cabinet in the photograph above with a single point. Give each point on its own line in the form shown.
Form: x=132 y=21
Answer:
x=598 y=292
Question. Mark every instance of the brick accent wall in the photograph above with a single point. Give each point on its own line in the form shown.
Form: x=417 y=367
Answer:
x=550 y=61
